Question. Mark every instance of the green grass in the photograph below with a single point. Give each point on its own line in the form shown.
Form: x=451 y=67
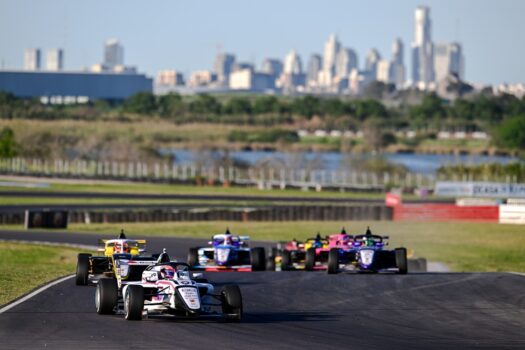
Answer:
x=148 y=188
x=461 y=246
x=27 y=266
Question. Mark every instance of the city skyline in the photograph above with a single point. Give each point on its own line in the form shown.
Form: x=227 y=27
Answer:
x=184 y=56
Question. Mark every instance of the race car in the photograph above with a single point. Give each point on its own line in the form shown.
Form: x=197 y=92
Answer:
x=121 y=260
x=367 y=255
x=297 y=255
x=168 y=288
x=227 y=252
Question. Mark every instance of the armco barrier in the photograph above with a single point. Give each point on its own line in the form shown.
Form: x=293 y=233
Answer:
x=445 y=212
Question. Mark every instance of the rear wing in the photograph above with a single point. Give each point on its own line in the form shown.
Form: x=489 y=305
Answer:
x=141 y=244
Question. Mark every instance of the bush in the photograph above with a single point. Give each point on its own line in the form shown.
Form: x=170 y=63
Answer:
x=511 y=133
x=8 y=145
x=268 y=136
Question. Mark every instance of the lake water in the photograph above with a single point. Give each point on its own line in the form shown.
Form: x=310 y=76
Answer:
x=418 y=163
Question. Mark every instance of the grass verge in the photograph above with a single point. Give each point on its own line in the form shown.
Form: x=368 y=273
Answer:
x=27 y=266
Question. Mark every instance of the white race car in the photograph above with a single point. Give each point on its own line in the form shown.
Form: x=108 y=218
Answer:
x=168 y=288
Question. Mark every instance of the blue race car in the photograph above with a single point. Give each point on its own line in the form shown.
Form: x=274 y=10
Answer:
x=368 y=255
x=227 y=252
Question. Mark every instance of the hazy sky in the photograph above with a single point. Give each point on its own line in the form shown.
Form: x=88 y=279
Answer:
x=186 y=35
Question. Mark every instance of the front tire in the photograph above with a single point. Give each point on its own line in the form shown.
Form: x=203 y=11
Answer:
x=309 y=260
x=106 y=296
x=232 y=302
x=333 y=261
x=401 y=260
x=134 y=302
x=82 y=273
x=258 y=259
x=270 y=263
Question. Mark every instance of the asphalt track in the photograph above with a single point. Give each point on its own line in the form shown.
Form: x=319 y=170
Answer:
x=288 y=310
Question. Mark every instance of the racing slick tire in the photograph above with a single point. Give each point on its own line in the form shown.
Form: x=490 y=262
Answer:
x=333 y=261
x=231 y=300
x=133 y=303
x=270 y=263
x=286 y=261
x=82 y=273
x=106 y=296
x=258 y=259
x=309 y=260
x=401 y=260
x=193 y=257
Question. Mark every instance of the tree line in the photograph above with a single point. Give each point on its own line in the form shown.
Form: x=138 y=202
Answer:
x=503 y=116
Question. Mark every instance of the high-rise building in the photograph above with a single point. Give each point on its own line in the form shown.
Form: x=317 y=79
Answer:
x=346 y=60
x=315 y=65
x=372 y=59
x=423 y=49
x=331 y=49
x=272 y=66
x=383 y=69
x=223 y=66
x=113 y=53
x=448 y=59
x=293 y=63
x=55 y=59
x=242 y=66
x=397 y=70
x=32 y=59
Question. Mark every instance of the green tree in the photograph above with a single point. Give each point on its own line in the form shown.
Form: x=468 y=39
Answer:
x=307 y=106
x=171 y=105
x=266 y=104
x=238 y=105
x=511 y=133
x=205 y=104
x=141 y=103
x=8 y=145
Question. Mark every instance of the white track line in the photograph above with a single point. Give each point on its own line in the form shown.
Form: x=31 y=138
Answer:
x=32 y=294
x=53 y=244
x=517 y=273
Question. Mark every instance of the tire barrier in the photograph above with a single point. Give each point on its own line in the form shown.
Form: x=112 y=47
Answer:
x=45 y=219
x=277 y=213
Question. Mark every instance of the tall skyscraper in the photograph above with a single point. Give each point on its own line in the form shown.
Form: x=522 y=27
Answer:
x=422 y=49
x=113 y=53
x=223 y=66
x=55 y=59
x=448 y=59
x=397 y=70
x=315 y=65
x=346 y=60
x=372 y=60
x=331 y=49
x=272 y=66
x=293 y=63
x=32 y=59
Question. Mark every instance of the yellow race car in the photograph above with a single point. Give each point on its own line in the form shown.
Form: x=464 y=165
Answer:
x=121 y=260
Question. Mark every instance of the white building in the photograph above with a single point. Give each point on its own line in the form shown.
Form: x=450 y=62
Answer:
x=346 y=60
x=249 y=80
x=372 y=60
x=315 y=65
x=423 y=49
x=223 y=66
x=55 y=59
x=331 y=49
x=448 y=59
x=32 y=59
x=113 y=53
x=170 y=77
x=201 y=78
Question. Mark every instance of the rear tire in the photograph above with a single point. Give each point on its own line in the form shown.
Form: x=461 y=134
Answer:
x=258 y=259
x=193 y=257
x=134 y=303
x=309 y=260
x=232 y=302
x=106 y=296
x=286 y=261
x=333 y=261
x=82 y=273
x=401 y=260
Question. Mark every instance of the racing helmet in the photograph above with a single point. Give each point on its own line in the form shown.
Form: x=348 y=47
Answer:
x=167 y=272
x=121 y=247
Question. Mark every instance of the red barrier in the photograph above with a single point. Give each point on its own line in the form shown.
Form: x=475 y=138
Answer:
x=445 y=212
